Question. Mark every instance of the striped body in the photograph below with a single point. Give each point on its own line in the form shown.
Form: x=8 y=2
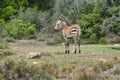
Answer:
x=71 y=31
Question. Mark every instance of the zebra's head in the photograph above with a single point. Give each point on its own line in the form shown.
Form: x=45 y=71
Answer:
x=60 y=24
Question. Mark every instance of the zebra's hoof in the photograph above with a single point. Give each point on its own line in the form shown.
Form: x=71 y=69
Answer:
x=75 y=51
x=68 y=52
x=79 y=51
x=65 y=51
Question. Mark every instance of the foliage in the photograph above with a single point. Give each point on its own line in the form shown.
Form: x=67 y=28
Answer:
x=111 y=26
x=10 y=7
x=58 y=38
x=90 y=27
x=114 y=40
x=101 y=8
x=2 y=23
x=85 y=75
x=18 y=29
x=67 y=69
x=97 y=18
x=34 y=16
x=102 y=41
x=8 y=11
x=20 y=70
x=106 y=65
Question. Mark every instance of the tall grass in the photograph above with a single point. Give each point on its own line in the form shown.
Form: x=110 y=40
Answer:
x=11 y=70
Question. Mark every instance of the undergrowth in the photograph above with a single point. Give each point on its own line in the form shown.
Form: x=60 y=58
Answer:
x=11 y=70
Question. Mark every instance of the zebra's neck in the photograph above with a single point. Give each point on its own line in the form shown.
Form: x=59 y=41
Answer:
x=65 y=23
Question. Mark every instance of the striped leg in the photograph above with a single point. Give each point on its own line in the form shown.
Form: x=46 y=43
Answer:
x=67 y=46
x=75 y=42
x=79 y=44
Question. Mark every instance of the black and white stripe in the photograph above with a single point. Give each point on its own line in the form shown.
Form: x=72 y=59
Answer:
x=74 y=31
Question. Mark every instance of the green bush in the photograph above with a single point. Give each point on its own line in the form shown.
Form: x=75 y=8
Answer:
x=102 y=41
x=11 y=31
x=106 y=65
x=31 y=30
x=90 y=25
x=114 y=10
x=7 y=12
x=2 y=23
x=18 y=29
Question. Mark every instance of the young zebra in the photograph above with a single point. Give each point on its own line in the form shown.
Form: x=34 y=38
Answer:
x=68 y=31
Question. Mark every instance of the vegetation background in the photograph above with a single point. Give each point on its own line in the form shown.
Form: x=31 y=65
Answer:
x=99 y=19
x=27 y=26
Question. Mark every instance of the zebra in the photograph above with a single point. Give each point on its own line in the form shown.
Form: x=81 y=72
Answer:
x=68 y=31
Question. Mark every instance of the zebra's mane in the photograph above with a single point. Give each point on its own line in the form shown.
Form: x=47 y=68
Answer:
x=62 y=18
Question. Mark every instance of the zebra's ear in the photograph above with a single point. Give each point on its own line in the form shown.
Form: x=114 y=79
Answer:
x=60 y=18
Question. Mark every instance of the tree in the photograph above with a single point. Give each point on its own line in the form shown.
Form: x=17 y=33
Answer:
x=10 y=7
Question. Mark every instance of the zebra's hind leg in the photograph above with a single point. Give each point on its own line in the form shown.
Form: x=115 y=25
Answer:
x=79 y=45
x=75 y=41
x=67 y=51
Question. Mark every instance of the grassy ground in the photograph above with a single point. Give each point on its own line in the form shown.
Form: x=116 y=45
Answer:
x=54 y=54
x=90 y=54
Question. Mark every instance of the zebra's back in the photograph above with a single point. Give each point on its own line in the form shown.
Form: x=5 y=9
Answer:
x=72 y=31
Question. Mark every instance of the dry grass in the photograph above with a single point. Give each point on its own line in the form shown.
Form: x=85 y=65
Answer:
x=90 y=53
x=54 y=54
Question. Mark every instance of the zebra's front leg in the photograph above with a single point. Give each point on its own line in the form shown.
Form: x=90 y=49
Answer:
x=67 y=51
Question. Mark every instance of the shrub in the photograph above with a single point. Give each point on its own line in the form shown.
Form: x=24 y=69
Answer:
x=96 y=69
x=2 y=23
x=18 y=29
x=85 y=75
x=106 y=65
x=44 y=74
x=7 y=11
x=10 y=31
x=31 y=30
x=35 y=16
x=50 y=41
x=114 y=40
x=102 y=41
x=90 y=28
x=12 y=70
x=58 y=38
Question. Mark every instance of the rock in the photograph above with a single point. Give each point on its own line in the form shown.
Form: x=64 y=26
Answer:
x=10 y=39
x=33 y=55
x=103 y=60
x=35 y=62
